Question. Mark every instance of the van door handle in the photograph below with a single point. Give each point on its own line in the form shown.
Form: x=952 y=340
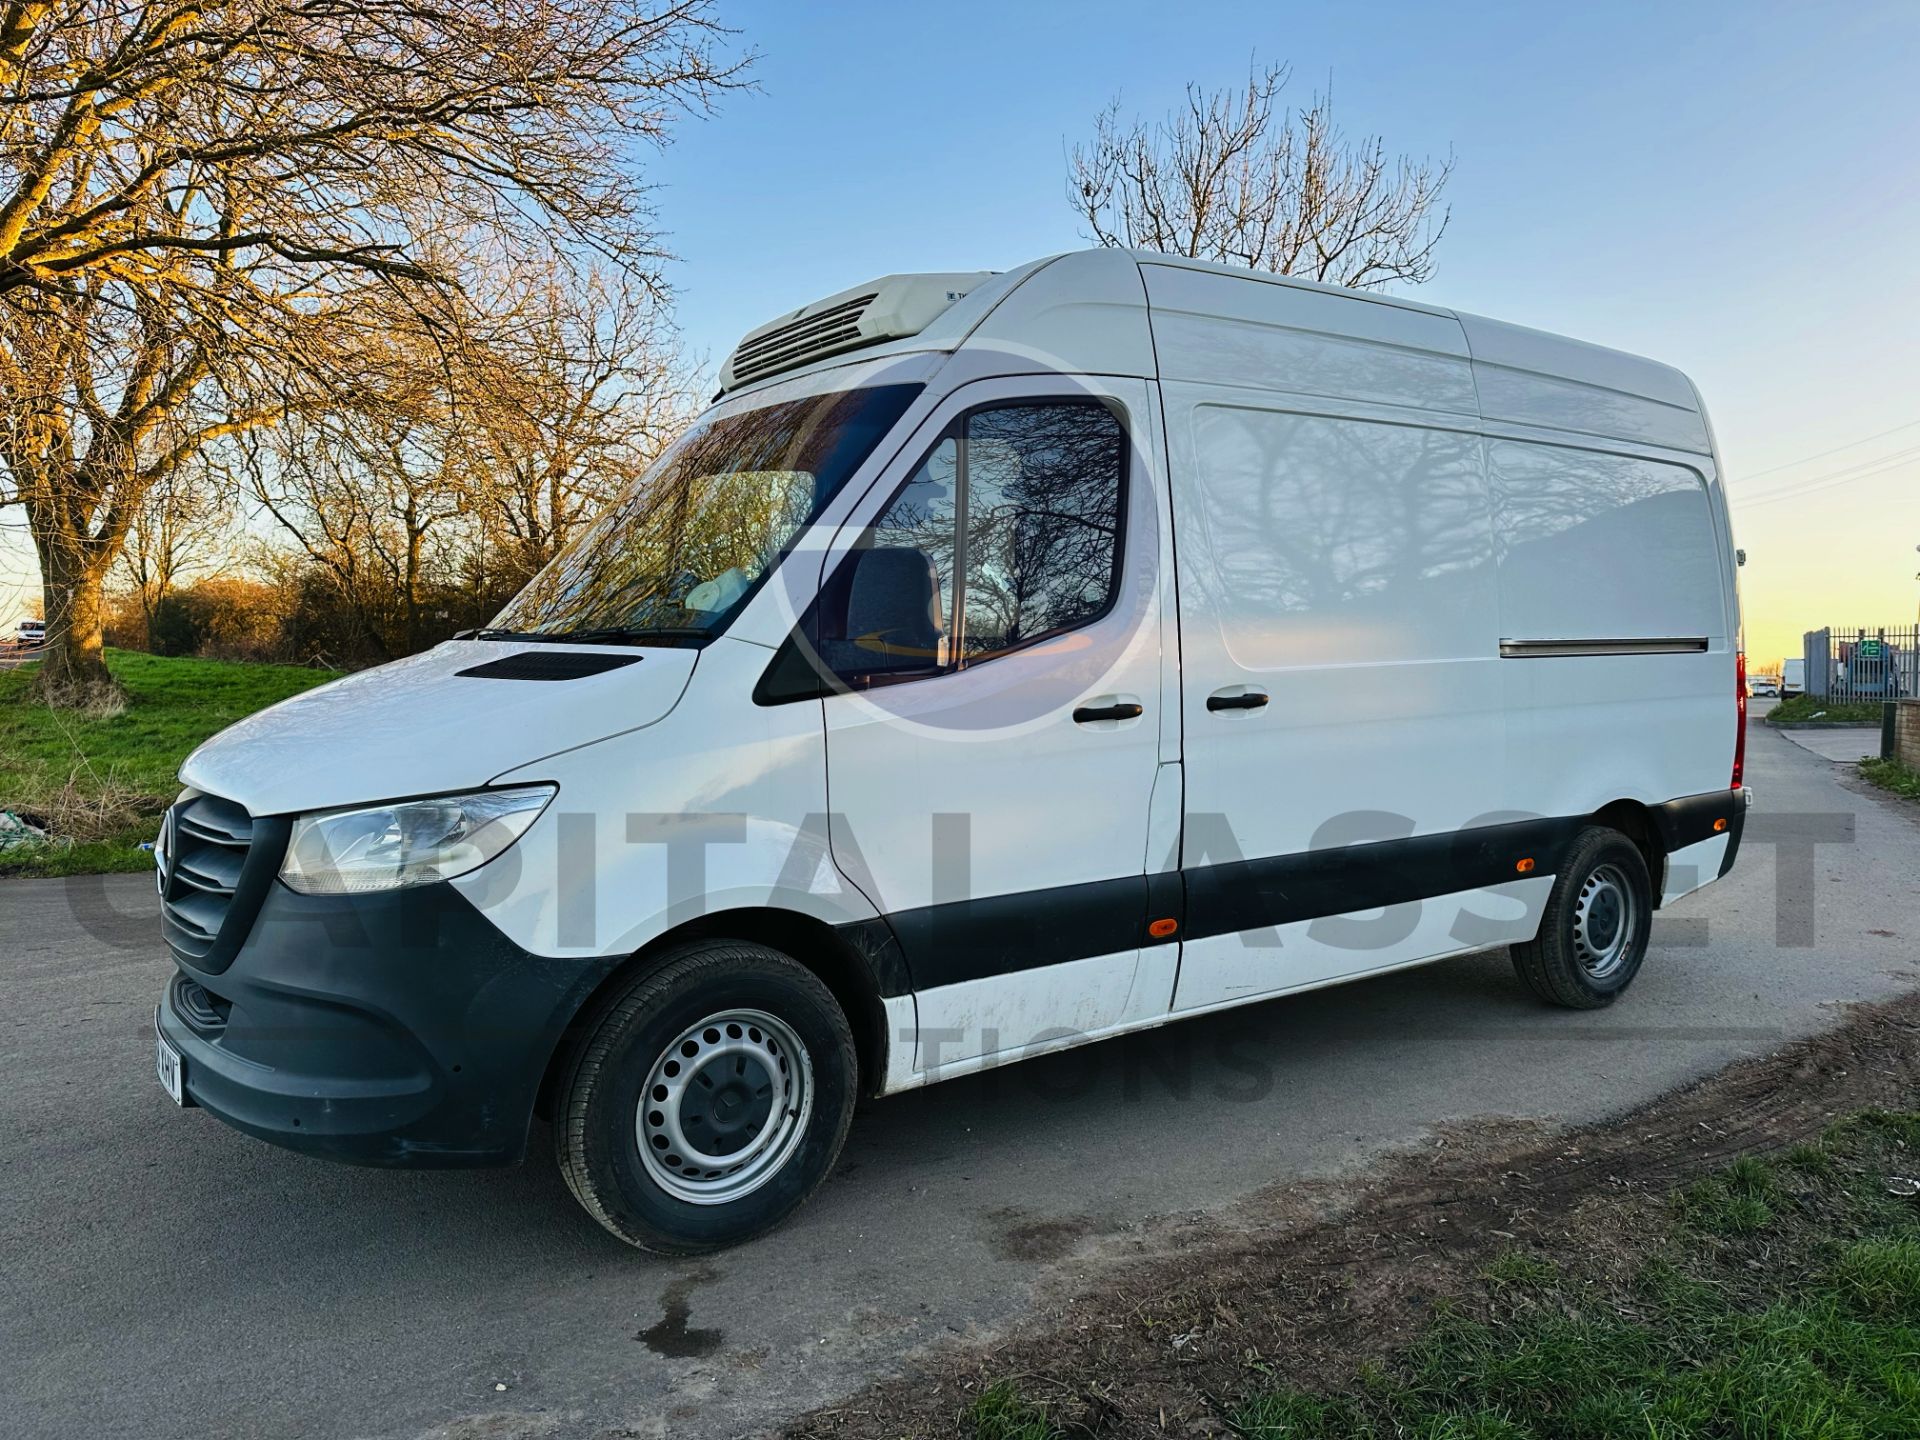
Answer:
x=1246 y=700
x=1125 y=710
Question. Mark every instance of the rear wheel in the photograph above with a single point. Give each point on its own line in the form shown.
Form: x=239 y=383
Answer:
x=1593 y=935
x=709 y=1100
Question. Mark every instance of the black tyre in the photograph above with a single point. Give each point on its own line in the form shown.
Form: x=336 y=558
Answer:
x=1593 y=936
x=708 y=1100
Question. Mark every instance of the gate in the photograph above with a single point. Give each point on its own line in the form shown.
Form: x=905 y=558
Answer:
x=1862 y=664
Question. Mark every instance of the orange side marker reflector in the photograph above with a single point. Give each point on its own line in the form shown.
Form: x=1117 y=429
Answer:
x=1719 y=825
x=1160 y=929
x=1523 y=866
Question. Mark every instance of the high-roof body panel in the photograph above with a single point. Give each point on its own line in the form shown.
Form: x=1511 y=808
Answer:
x=1135 y=312
x=1531 y=377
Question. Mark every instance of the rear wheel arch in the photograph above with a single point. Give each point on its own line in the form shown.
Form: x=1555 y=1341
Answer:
x=1596 y=925
x=1635 y=821
x=843 y=969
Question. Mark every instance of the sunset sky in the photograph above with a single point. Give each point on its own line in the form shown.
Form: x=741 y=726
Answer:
x=1731 y=188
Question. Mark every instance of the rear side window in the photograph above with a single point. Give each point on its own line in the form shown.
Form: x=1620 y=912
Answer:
x=1008 y=532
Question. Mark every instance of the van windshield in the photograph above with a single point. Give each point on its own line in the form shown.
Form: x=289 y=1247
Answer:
x=676 y=556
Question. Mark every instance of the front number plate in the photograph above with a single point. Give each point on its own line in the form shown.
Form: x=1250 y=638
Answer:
x=168 y=1064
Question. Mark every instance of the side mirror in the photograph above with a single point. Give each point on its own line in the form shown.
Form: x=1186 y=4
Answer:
x=893 y=615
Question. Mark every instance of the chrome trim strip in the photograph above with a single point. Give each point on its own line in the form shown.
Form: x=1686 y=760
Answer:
x=1655 y=645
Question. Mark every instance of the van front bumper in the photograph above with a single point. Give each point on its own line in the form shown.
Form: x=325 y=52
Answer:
x=399 y=1029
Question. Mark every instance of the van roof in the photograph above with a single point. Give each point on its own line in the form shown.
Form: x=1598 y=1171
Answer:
x=1140 y=312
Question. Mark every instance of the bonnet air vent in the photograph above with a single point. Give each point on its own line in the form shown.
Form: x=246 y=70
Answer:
x=548 y=665
x=883 y=309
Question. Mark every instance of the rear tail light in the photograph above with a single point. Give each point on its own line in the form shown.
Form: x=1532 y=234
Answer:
x=1740 y=734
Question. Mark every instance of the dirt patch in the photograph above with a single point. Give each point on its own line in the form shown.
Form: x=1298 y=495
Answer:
x=1019 y=1236
x=1303 y=1284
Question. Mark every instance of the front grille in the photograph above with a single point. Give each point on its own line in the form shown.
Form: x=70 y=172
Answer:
x=207 y=842
x=199 y=1006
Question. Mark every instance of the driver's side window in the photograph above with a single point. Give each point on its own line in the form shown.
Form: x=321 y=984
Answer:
x=1007 y=532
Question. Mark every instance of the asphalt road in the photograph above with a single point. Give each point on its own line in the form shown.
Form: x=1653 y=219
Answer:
x=162 y=1276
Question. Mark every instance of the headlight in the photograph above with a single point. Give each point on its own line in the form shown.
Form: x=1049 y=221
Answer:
x=383 y=847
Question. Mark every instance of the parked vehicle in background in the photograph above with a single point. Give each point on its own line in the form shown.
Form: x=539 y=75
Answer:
x=30 y=633
x=1763 y=687
x=1855 y=665
x=1793 y=677
x=1870 y=669
x=868 y=742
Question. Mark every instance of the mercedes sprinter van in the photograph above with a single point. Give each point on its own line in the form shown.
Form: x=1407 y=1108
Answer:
x=1002 y=662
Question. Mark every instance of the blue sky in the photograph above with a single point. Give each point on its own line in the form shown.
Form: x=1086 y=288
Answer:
x=1732 y=188
x=1729 y=187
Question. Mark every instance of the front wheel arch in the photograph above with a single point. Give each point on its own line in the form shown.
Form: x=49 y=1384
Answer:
x=742 y=1157
x=852 y=977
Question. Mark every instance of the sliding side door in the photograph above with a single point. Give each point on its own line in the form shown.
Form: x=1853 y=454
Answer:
x=1343 y=709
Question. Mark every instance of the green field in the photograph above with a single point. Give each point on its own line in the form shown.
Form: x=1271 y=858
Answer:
x=99 y=782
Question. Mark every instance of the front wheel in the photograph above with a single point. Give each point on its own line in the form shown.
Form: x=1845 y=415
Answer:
x=1593 y=935
x=709 y=1100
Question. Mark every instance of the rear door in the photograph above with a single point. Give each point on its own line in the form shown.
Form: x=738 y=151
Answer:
x=992 y=765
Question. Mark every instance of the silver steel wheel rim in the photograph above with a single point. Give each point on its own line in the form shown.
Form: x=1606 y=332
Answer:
x=1604 y=921
x=702 y=1138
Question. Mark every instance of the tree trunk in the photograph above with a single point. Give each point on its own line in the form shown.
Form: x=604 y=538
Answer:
x=411 y=579
x=74 y=671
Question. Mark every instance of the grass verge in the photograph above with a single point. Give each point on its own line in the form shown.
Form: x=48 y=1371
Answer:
x=1000 y=1412
x=1727 y=1261
x=1782 y=1300
x=1892 y=775
x=98 y=782
x=1797 y=708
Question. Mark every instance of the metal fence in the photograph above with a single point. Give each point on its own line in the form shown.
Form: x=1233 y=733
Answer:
x=1880 y=662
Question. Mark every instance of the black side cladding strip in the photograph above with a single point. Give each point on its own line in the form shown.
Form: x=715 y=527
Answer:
x=1167 y=900
x=1692 y=818
x=879 y=952
x=1736 y=827
x=1002 y=934
x=1279 y=890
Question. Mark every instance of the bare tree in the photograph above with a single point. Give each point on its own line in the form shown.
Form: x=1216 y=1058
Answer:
x=106 y=393
x=1231 y=177
x=369 y=482
x=461 y=447
x=181 y=527
x=197 y=197
x=588 y=383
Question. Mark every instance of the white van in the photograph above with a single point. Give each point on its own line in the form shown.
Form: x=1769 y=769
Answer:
x=1003 y=661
